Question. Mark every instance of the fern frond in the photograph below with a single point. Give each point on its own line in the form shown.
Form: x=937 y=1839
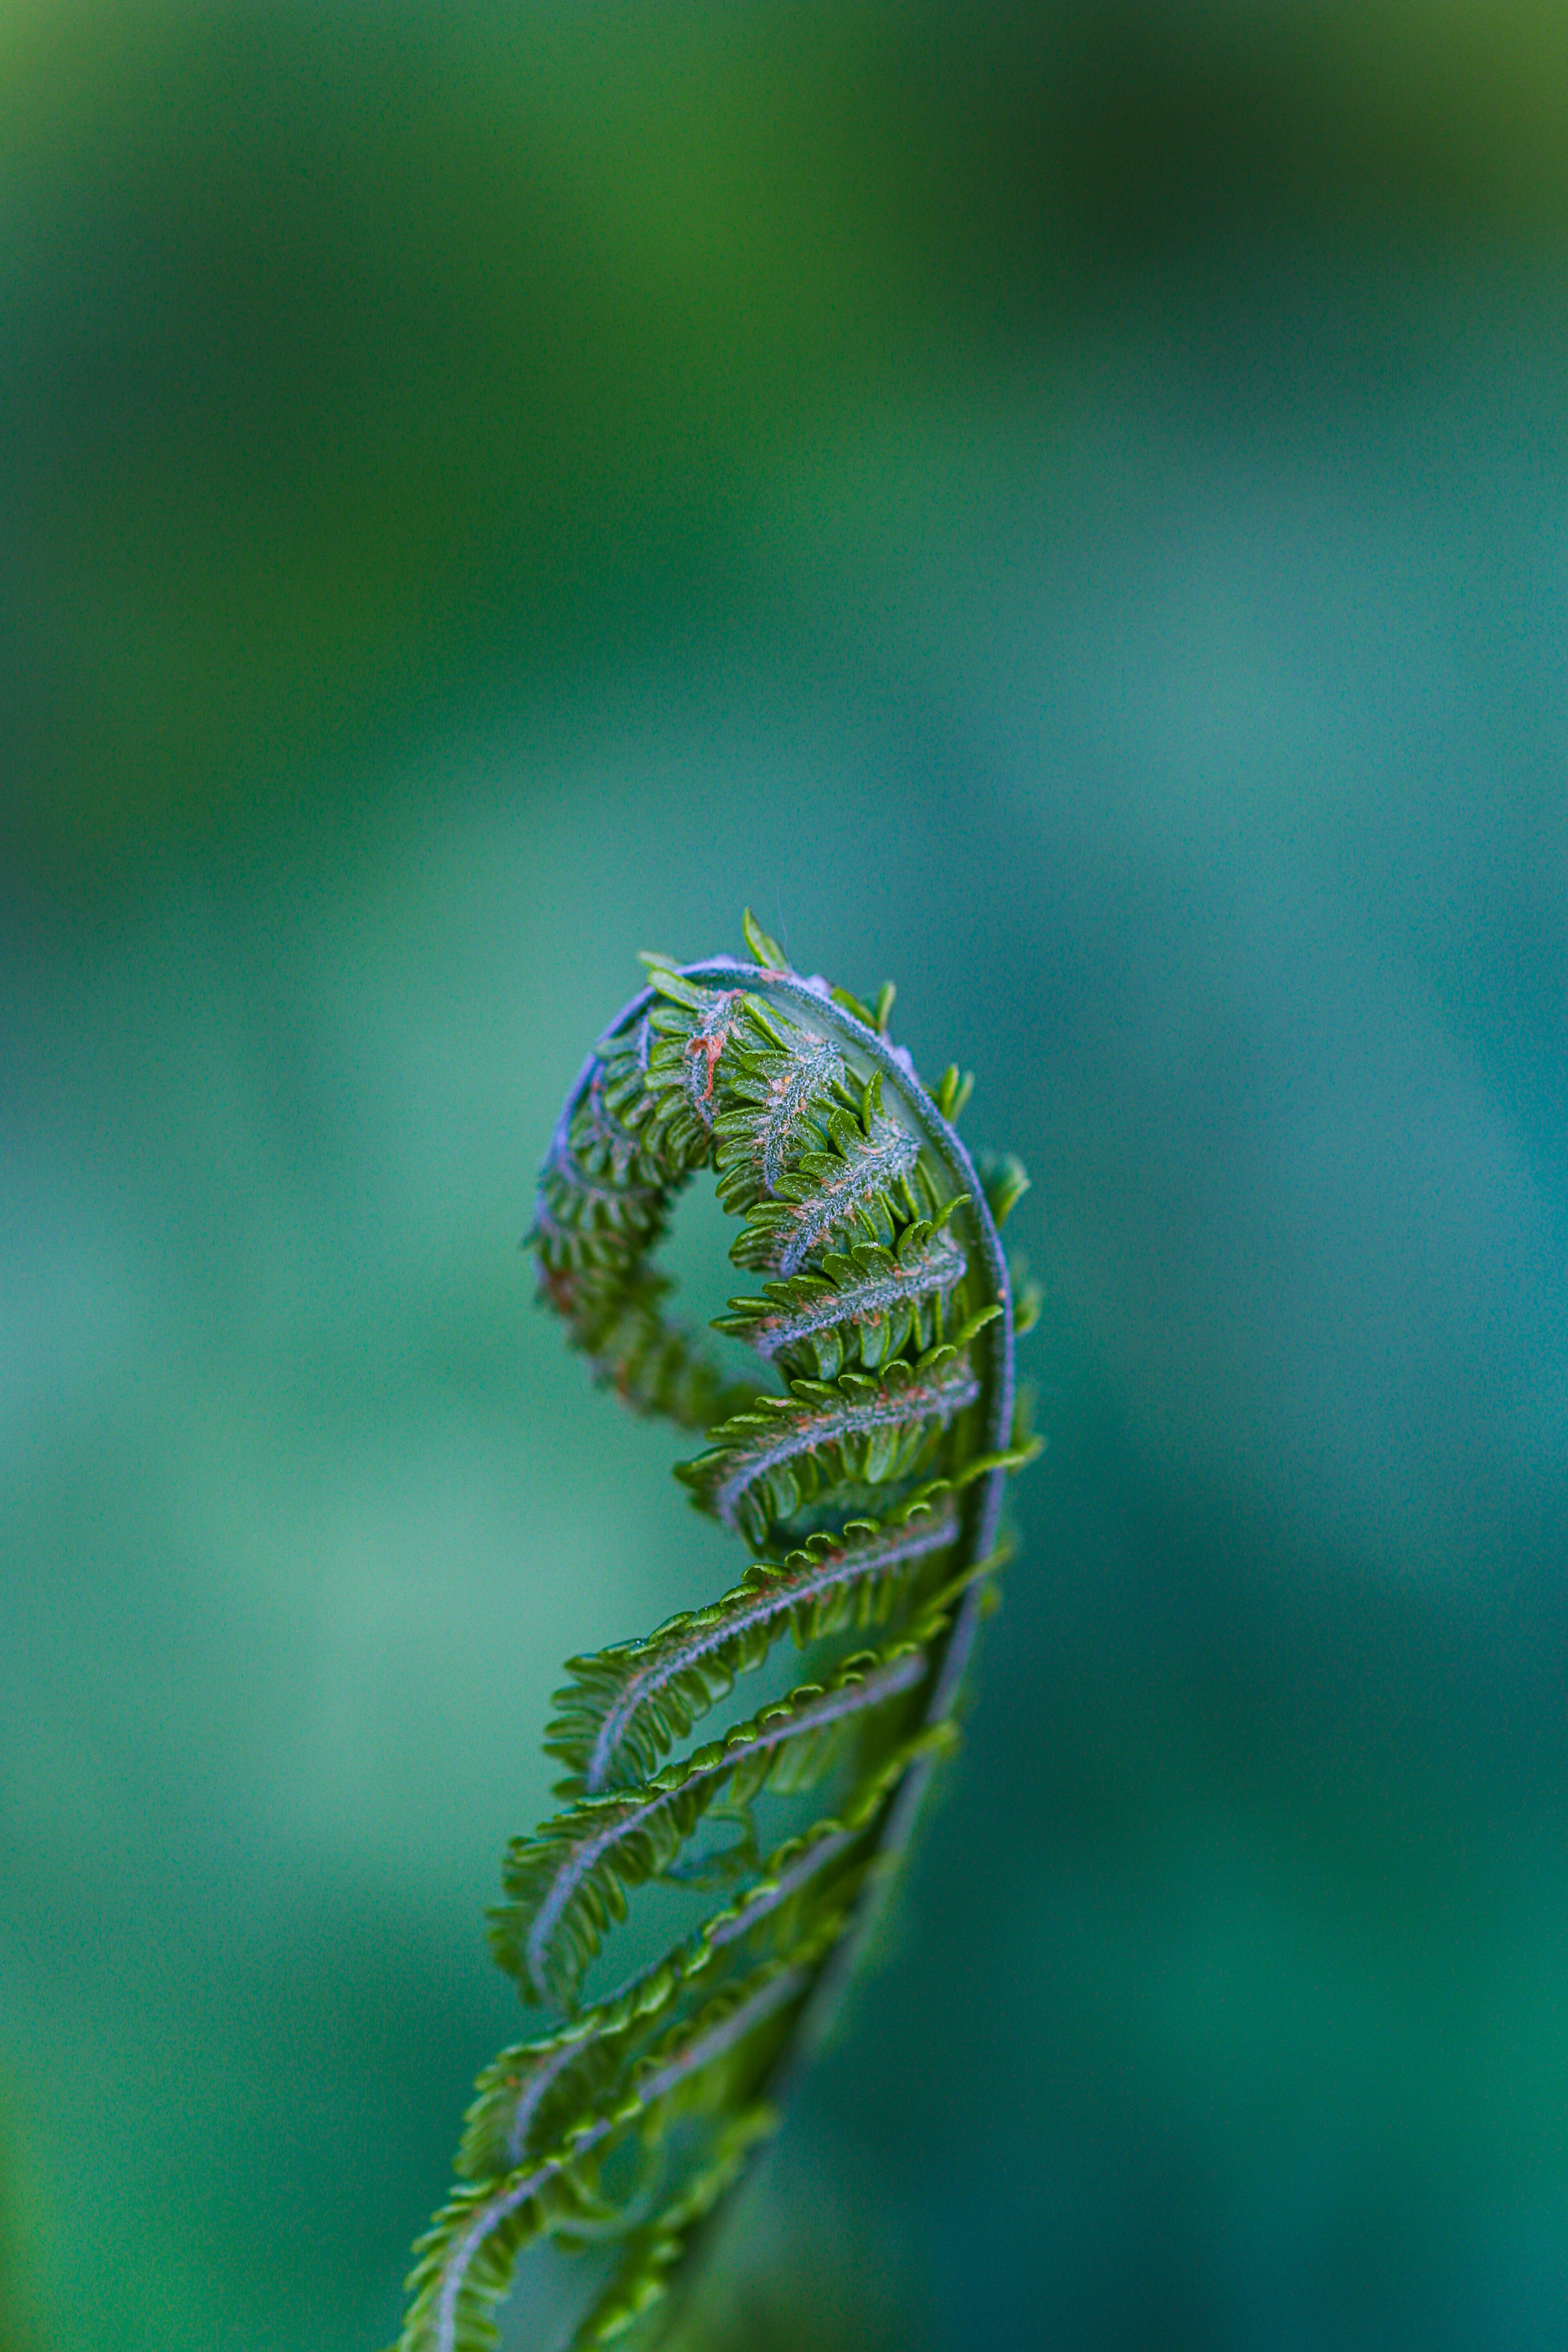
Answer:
x=767 y=1463
x=627 y=1705
x=470 y=2250
x=875 y=1481
x=535 y=2094
x=568 y=1882
x=868 y=1304
x=777 y=1094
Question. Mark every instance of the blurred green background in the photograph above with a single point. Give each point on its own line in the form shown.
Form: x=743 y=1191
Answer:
x=1067 y=507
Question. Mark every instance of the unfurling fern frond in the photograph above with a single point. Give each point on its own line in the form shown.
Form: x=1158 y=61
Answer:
x=866 y=1463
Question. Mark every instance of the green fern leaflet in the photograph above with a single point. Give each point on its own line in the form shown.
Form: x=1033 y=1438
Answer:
x=865 y=1464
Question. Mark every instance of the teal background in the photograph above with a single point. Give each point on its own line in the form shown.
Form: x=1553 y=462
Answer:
x=1067 y=509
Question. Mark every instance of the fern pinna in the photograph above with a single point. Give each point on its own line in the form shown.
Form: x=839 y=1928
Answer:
x=865 y=1465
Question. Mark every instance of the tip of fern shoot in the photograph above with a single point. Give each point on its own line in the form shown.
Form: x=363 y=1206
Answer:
x=763 y=945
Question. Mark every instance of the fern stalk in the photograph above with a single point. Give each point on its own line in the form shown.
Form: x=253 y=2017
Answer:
x=871 y=1484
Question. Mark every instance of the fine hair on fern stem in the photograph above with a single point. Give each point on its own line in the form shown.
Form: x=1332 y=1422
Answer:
x=866 y=1462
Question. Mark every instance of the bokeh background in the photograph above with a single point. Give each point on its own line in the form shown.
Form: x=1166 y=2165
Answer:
x=1067 y=507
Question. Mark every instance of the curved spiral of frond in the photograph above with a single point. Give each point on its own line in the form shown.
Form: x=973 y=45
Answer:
x=866 y=1464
